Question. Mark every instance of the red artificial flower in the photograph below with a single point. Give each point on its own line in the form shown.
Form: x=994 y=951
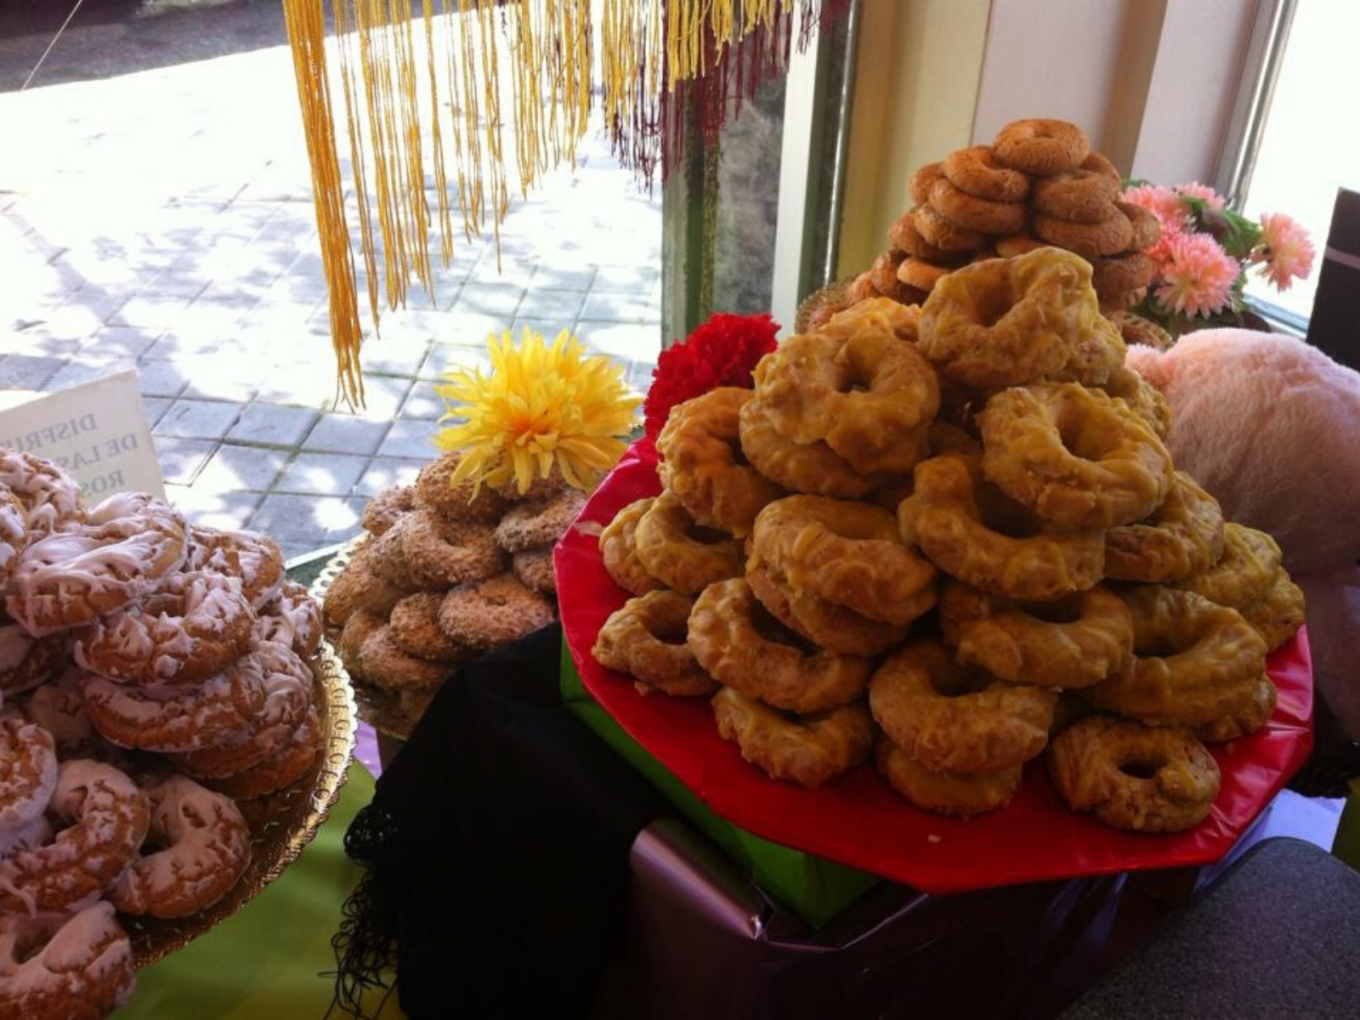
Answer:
x=723 y=351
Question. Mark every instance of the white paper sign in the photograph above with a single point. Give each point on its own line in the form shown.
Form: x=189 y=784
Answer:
x=97 y=432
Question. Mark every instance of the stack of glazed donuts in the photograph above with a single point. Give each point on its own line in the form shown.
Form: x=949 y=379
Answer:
x=443 y=578
x=1038 y=183
x=951 y=537
x=153 y=673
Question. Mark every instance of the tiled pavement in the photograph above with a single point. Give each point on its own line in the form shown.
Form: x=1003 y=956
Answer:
x=162 y=220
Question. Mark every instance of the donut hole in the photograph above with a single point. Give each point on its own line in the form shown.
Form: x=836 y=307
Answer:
x=736 y=454
x=959 y=681
x=1139 y=769
x=1001 y=514
x=706 y=536
x=992 y=305
x=770 y=629
x=672 y=631
x=1081 y=434
x=1065 y=610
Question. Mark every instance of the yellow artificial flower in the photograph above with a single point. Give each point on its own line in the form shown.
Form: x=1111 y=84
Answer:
x=541 y=405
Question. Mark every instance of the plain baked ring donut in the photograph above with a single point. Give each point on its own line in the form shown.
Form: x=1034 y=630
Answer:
x=1134 y=777
x=813 y=468
x=973 y=213
x=973 y=532
x=1147 y=229
x=1073 y=455
x=702 y=462
x=28 y=772
x=847 y=553
x=1075 y=642
x=1041 y=146
x=944 y=234
x=923 y=180
x=293 y=618
x=904 y=236
x=810 y=751
x=1109 y=236
x=618 y=549
x=493 y=613
x=438 y=552
x=825 y=624
x=1244 y=573
x=1278 y=616
x=252 y=558
x=1078 y=196
x=388 y=507
x=647 y=639
x=535 y=523
x=952 y=718
x=1181 y=537
x=1006 y=322
x=1142 y=398
x=679 y=552
x=456 y=502
x=204 y=849
x=975 y=170
x=740 y=647
x=960 y=794
x=75 y=966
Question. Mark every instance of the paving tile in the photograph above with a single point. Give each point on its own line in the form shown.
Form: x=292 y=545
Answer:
x=383 y=397
x=312 y=386
x=510 y=271
x=272 y=424
x=624 y=279
x=182 y=459
x=219 y=378
x=498 y=300
x=176 y=283
x=345 y=433
x=409 y=439
x=178 y=342
x=627 y=342
x=323 y=474
x=121 y=341
x=395 y=352
x=149 y=312
x=555 y=277
x=154 y=408
x=383 y=472
x=234 y=468
x=612 y=307
x=28 y=372
x=422 y=404
x=160 y=379
x=551 y=305
x=213 y=509
x=546 y=328
x=445 y=358
x=84 y=370
x=198 y=419
x=302 y=522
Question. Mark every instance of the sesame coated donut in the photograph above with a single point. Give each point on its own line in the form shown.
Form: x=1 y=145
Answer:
x=680 y=553
x=204 y=847
x=618 y=549
x=191 y=627
x=1109 y=236
x=954 y=718
x=1134 y=777
x=103 y=818
x=293 y=618
x=388 y=507
x=647 y=638
x=1183 y=536
x=923 y=180
x=975 y=170
x=1078 y=196
x=969 y=529
x=28 y=772
x=1278 y=616
x=703 y=464
x=534 y=568
x=1006 y=322
x=26 y=661
x=883 y=275
x=1142 y=398
x=1041 y=146
x=921 y=274
x=810 y=751
x=357 y=588
x=1121 y=279
x=252 y=558
x=492 y=613
x=388 y=560
x=1073 y=642
x=1244 y=573
x=1097 y=163
x=973 y=213
x=1073 y=455
x=1018 y=244
x=743 y=647
x=813 y=468
x=960 y=794
x=456 y=502
x=847 y=553
x=825 y=624
x=282 y=769
x=357 y=629
x=76 y=966
x=943 y=233
x=904 y=236
x=1147 y=229
x=438 y=552
x=416 y=630
x=49 y=497
x=383 y=662
x=870 y=398
x=534 y=523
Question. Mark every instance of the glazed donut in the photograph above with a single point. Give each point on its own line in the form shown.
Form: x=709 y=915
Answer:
x=975 y=170
x=1041 y=146
x=1075 y=642
x=541 y=522
x=945 y=234
x=457 y=502
x=416 y=630
x=825 y=624
x=59 y=708
x=847 y=553
x=618 y=550
x=534 y=568
x=191 y=627
x=870 y=398
x=293 y=618
x=14 y=533
x=28 y=772
x=1194 y=661
x=250 y=557
x=1147 y=229
x=702 y=462
x=383 y=662
x=494 y=612
x=904 y=236
x=1134 y=777
x=681 y=554
x=1120 y=280
x=952 y=718
x=50 y=498
x=26 y=661
x=105 y=818
x=282 y=769
x=1096 y=163
x=72 y=577
x=960 y=794
x=1246 y=719
x=177 y=718
x=388 y=507
x=1096 y=357
x=647 y=639
x=921 y=274
x=1181 y=537
x=1073 y=455
x=923 y=180
x=204 y=847
x=1008 y=322
x=810 y=751
x=971 y=531
x=1109 y=236
x=438 y=552
x=64 y=966
x=1278 y=616
x=1078 y=196
x=1141 y=397
x=1018 y=244
x=973 y=213
x=799 y=467
x=876 y=315
x=1245 y=573
x=357 y=588
x=742 y=647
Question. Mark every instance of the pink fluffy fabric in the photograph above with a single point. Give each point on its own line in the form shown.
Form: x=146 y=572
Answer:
x=1271 y=427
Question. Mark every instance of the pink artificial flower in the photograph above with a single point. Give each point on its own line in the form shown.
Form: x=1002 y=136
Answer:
x=1288 y=251
x=1170 y=211
x=1204 y=193
x=1198 y=276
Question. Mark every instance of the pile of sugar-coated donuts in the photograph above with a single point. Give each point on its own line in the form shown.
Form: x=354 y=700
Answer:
x=443 y=578
x=154 y=673
x=952 y=537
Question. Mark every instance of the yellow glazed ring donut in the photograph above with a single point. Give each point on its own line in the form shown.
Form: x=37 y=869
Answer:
x=813 y=468
x=1181 y=537
x=1142 y=398
x=1244 y=573
x=1278 y=616
x=960 y=794
x=618 y=549
x=810 y=751
x=1246 y=719
x=647 y=639
x=825 y=624
x=679 y=552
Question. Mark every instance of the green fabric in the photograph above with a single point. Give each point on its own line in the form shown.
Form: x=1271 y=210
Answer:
x=812 y=887
x=1346 y=845
x=272 y=960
